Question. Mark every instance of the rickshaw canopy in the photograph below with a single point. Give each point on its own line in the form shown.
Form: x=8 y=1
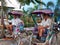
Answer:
x=42 y=11
x=17 y=13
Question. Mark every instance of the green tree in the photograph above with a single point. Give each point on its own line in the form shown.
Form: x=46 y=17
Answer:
x=50 y=4
x=57 y=9
x=23 y=2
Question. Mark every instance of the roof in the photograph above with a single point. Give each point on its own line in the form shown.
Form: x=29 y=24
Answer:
x=8 y=6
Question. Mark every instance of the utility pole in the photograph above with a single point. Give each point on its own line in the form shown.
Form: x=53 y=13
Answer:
x=2 y=20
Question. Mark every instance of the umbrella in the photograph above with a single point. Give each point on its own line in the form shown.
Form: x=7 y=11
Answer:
x=17 y=13
x=43 y=11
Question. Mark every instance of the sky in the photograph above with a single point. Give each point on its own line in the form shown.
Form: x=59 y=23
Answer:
x=54 y=1
x=15 y=4
x=45 y=1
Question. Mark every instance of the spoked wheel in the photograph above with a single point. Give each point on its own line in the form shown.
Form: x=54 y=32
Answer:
x=54 y=40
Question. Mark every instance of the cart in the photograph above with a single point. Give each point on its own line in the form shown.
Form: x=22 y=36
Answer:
x=51 y=37
x=21 y=38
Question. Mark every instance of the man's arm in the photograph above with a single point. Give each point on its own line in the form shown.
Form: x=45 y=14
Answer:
x=47 y=26
x=48 y=23
x=21 y=21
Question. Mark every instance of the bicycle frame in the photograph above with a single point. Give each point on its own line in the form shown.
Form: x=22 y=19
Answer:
x=51 y=38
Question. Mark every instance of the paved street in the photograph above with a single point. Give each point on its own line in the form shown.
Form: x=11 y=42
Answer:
x=7 y=43
x=58 y=39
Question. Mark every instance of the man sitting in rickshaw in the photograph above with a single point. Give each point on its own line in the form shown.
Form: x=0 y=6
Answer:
x=45 y=25
x=13 y=23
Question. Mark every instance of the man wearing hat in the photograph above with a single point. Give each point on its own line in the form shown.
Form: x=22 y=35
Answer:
x=45 y=25
x=13 y=23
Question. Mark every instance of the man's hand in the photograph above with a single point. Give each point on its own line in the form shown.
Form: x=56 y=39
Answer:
x=41 y=27
x=46 y=26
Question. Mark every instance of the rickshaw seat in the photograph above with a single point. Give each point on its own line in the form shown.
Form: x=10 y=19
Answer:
x=46 y=33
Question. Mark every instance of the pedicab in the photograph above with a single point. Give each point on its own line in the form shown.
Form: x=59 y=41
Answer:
x=52 y=35
x=22 y=38
x=8 y=39
x=16 y=13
